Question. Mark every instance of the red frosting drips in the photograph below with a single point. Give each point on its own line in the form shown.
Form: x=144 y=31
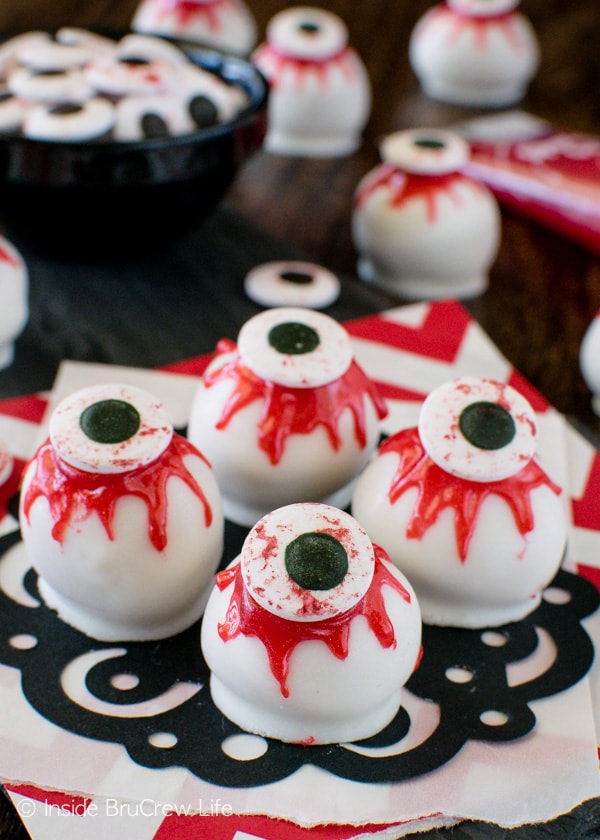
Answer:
x=281 y=636
x=186 y=11
x=478 y=26
x=302 y=66
x=289 y=411
x=7 y=257
x=405 y=187
x=73 y=494
x=438 y=489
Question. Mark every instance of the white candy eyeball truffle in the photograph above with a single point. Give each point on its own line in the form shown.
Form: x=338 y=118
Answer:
x=311 y=633
x=121 y=518
x=286 y=415
x=463 y=507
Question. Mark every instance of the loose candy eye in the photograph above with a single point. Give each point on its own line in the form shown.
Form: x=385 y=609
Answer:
x=478 y=429
x=308 y=33
x=307 y=562
x=424 y=151
x=282 y=283
x=110 y=429
x=295 y=347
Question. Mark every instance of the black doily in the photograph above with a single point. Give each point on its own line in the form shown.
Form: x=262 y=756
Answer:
x=463 y=678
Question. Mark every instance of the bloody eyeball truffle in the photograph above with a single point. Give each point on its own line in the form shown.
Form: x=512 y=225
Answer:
x=320 y=93
x=421 y=227
x=287 y=415
x=121 y=517
x=311 y=632
x=474 y=52
x=463 y=507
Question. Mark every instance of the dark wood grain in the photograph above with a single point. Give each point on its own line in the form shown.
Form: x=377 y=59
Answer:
x=543 y=292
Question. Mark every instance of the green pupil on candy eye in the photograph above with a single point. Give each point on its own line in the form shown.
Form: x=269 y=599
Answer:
x=316 y=561
x=429 y=143
x=293 y=338
x=110 y=421
x=487 y=425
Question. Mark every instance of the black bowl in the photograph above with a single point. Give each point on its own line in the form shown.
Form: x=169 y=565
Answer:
x=109 y=198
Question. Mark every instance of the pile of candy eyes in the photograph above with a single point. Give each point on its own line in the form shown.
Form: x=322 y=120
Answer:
x=79 y=86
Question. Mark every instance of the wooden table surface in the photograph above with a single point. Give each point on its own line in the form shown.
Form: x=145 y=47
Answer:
x=543 y=291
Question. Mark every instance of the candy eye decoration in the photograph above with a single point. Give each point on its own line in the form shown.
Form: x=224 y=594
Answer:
x=478 y=429
x=110 y=429
x=295 y=283
x=320 y=562
x=295 y=347
x=307 y=33
x=427 y=152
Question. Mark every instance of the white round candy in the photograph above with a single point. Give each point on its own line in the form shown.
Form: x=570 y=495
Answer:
x=53 y=56
x=307 y=535
x=151 y=48
x=478 y=429
x=425 y=151
x=292 y=283
x=110 y=429
x=295 y=347
x=152 y=115
x=483 y=8
x=55 y=86
x=71 y=121
x=307 y=33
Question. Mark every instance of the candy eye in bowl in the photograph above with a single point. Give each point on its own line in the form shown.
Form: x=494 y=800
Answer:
x=106 y=196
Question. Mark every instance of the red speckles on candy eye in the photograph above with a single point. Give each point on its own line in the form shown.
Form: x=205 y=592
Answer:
x=281 y=636
x=73 y=494
x=290 y=411
x=438 y=489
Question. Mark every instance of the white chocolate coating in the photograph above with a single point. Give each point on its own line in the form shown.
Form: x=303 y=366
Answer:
x=253 y=479
x=329 y=698
x=226 y=25
x=105 y=572
x=14 y=294
x=424 y=237
x=466 y=55
x=320 y=95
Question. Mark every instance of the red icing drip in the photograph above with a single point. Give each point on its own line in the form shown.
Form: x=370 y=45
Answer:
x=405 y=187
x=280 y=636
x=438 y=489
x=479 y=28
x=6 y=257
x=289 y=411
x=74 y=494
x=186 y=12
x=301 y=66
x=10 y=486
